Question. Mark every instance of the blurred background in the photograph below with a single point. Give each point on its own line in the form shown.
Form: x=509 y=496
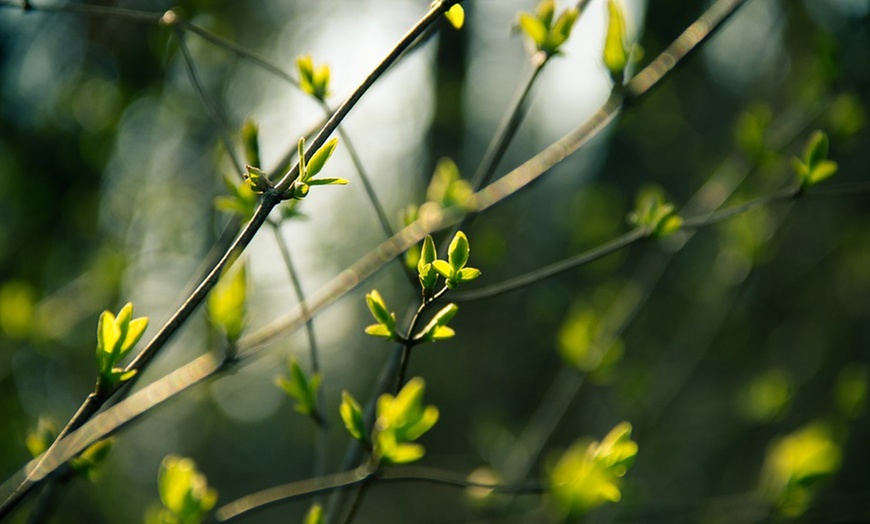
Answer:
x=712 y=344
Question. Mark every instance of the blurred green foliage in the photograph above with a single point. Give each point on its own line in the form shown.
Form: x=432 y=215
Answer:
x=739 y=352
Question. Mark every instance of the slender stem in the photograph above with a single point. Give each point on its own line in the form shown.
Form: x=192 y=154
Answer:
x=87 y=9
x=321 y=442
x=287 y=492
x=356 y=503
x=533 y=277
x=411 y=340
x=240 y=51
x=205 y=99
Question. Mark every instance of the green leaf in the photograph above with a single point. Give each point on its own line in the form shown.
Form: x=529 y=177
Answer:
x=534 y=28
x=816 y=148
x=227 y=303
x=443 y=268
x=546 y=11
x=401 y=420
x=457 y=252
x=404 y=453
x=351 y=415
x=822 y=170
x=468 y=273
x=380 y=330
x=456 y=16
x=432 y=329
x=427 y=275
x=327 y=182
x=91 y=458
x=300 y=388
x=319 y=159
x=183 y=490
x=562 y=29
x=314 y=515
x=116 y=336
x=251 y=142
x=303 y=166
x=588 y=474
x=313 y=80
x=257 y=179
x=615 y=48
x=379 y=310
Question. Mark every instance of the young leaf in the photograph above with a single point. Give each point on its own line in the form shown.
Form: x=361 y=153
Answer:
x=443 y=268
x=351 y=415
x=300 y=388
x=589 y=474
x=251 y=142
x=227 y=303
x=184 y=491
x=456 y=16
x=313 y=80
x=116 y=337
x=314 y=515
x=436 y=328
x=327 y=182
x=457 y=253
x=401 y=420
x=379 y=310
x=303 y=165
x=427 y=275
x=318 y=159
x=534 y=28
x=615 y=48
x=257 y=179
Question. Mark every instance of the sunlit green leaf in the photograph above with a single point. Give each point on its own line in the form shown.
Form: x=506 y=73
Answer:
x=319 y=159
x=251 y=142
x=615 y=47
x=314 y=515
x=328 y=182
x=351 y=415
x=794 y=466
x=589 y=473
x=457 y=252
x=456 y=16
x=302 y=389
x=227 y=303
x=183 y=490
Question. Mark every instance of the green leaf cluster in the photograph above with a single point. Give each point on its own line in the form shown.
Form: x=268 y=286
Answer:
x=589 y=474
x=655 y=216
x=795 y=464
x=116 y=336
x=400 y=421
x=313 y=80
x=814 y=166
x=309 y=168
x=184 y=492
x=40 y=438
x=386 y=319
x=453 y=269
x=301 y=388
x=447 y=188
x=242 y=199
x=545 y=34
x=227 y=303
